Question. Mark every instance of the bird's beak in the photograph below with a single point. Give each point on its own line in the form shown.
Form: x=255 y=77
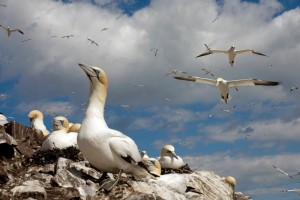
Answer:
x=90 y=72
x=62 y=122
x=174 y=154
x=30 y=119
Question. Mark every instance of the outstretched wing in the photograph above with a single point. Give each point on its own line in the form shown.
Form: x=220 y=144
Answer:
x=251 y=82
x=197 y=79
x=250 y=51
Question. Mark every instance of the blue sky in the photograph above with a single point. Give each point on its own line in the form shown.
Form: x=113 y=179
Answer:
x=264 y=129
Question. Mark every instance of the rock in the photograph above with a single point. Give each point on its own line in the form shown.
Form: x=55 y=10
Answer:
x=22 y=192
x=3 y=174
x=142 y=196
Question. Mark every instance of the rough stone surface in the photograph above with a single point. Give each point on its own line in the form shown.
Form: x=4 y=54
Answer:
x=27 y=173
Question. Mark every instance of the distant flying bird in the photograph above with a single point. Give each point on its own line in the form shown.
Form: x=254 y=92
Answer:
x=215 y=19
x=277 y=104
x=92 y=41
x=140 y=85
x=294 y=88
x=67 y=36
x=167 y=100
x=224 y=85
x=118 y=17
x=229 y=111
x=208 y=72
x=155 y=51
x=3 y=5
x=53 y=36
x=26 y=40
x=283 y=172
x=9 y=30
x=175 y=71
x=125 y=106
x=231 y=53
x=104 y=29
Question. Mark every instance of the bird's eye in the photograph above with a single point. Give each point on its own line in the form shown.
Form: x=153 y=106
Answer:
x=96 y=71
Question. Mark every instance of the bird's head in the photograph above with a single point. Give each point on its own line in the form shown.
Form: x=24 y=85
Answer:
x=35 y=114
x=60 y=122
x=232 y=47
x=168 y=150
x=96 y=75
x=219 y=80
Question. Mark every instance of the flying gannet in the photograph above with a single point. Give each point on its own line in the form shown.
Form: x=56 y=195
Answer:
x=36 y=119
x=92 y=41
x=9 y=30
x=283 y=172
x=168 y=158
x=231 y=53
x=106 y=149
x=224 y=85
x=175 y=71
x=60 y=138
x=67 y=36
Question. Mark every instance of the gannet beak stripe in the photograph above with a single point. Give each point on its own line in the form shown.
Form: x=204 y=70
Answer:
x=174 y=154
x=91 y=72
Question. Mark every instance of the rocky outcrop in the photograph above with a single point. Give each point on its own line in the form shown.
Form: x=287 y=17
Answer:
x=27 y=173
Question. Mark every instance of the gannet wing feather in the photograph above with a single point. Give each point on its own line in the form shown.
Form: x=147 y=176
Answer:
x=251 y=82
x=249 y=51
x=197 y=79
x=125 y=147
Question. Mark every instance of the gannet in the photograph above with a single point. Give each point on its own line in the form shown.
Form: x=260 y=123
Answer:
x=168 y=158
x=67 y=36
x=36 y=119
x=3 y=119
x=106 y=149
x=60 y=138
x=92 y=41
x=175 y=71
x=293 y=190
x=74 y=128
x=229 y=111
x=224 y=85
x=283 y=172
x=208 y=72
x=232 y=182
x=9 y=30
x=293 y=88
x=104 y=29
x=3 y=5
x=231 y=53
x=152 y=164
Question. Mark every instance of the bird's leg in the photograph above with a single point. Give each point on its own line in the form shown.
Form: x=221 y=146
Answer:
x=110 y=184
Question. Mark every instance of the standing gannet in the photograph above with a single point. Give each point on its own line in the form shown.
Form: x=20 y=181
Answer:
x=168 y=158
x=36 y=119
x=9 y=30
x=3 y=119
x=60 y=138
x=231 y=53
x=106 y=149
x=224 y=85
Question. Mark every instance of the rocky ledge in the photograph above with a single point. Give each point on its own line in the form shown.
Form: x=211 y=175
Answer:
x=27 y=173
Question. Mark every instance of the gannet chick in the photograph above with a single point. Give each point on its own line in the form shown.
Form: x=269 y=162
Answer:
x=36 y=119
x=9 y=30
x=153 y=165
x=168 y=158
x=231 y=53
x=74 y=128
x=3 y=119
x=106 y=149
x=224 y=85
x=60 y=138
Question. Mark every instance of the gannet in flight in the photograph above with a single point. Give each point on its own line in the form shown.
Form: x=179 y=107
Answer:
x=224 y=85
x=283 y=172
x=67 y=36
x=168 y=158
x=9 y=30
x=36 y=119
x=60 y=138
x=208 y=72
x=293 y=190
x=175 y=71
x=92 y=41
x=231 y=53
x=106 y=149
x=104 y=29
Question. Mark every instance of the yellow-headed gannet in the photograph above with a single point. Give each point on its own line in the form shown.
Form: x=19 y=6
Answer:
x=74 y=128
x=153 y=165
x=232 y=182
x=60 y=138
x=106 y=149
x=231 y=53
x=9 y=30
x=224 y=85
x=36 y=119
x=168 y=158
x=3 y=119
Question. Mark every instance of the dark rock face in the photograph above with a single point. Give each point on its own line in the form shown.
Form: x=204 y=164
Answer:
x=27 y=173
